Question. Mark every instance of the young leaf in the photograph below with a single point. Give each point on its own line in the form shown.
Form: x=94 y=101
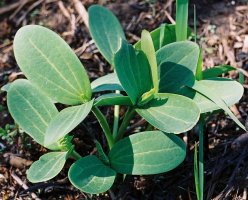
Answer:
x=90 y=175
x=171 y=113
x=150 y=152
x=181 y=19
x=107 y=82
x=148 y=48
x=49 y=63
x=101 y=154
x=229 y=90
x=133 y=71
x=47 y=167
x=199 y=73
x=217 y=71
x=207 y=92
x=113 y=99
x=31 y=109
x=169 y=36
x=177 y=64
x=66 y=121
x=105 y=30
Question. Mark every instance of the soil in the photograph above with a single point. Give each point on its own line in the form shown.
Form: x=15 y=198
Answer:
x=222 y=28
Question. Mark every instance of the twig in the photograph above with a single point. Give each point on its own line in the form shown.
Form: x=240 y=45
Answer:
x=29 y=9
x=82 y=12
x=23 y=185
x=22 y=4
x=9 y=8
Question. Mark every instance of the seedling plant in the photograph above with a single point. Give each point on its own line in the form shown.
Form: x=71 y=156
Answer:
x=159 y=78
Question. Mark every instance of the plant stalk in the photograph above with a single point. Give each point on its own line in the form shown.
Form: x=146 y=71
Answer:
x=128 y=116
x=75 y=155
x=116 y=117
x=201 y=157
x=105 y=127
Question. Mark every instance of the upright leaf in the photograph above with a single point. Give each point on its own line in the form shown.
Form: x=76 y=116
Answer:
x=150 y=152
x=148 y=48
x=107 y=82
x=49 y=63
x=169 y=36
x=171 y=113
x=201 y=88
x=31 y=109
x=181 y=19
x=90 y=175
x=177 y=64
x=47 y=167
x=106 y=31
x=229 y=90
x=199 y=74
x=133 y=71
x=66 y=121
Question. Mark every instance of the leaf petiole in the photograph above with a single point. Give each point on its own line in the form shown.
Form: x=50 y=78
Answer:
x=128 y=116
x=104 y=124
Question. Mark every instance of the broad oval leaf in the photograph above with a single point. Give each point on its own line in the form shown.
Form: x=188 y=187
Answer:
x=229 y=90
x=66 y=121
x=106 y=31
x=90 y=175
x=171 y=113
x=31 y=109
x=133 y=71
x=47 y=167
x=207 y=92
x=177 y=63
x=150 y=152
x=107 y=82
x=112 y=99
x=49 y=63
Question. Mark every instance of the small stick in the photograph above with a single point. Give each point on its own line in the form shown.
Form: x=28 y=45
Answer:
x=82 y=12
x=23 y=185
x=9 y=8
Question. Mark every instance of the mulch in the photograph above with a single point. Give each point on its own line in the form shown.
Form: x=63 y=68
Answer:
x=222 y=28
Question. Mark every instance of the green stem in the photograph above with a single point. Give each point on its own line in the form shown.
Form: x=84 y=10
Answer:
x=128 y=116
x=201 y=157
x=75 y=155
x=116 y=117
x=105 y=127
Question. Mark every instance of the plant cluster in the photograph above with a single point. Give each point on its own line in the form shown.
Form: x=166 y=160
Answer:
x=160 y=78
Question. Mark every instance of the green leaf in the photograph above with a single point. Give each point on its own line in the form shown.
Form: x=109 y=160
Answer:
x=169 y=36
x=217 y=71
x=47 y=167
x=106 y=31
x=181 y=19
x=150 y=152
x=112 y=99
x=207 y=92
x=199 y=73
x=177 y=64
x=49 y=63
x=31 y=109
x=66 y=121
x=148 y=48
x=133 y=71
x=171 y=113
x=101 y=154
x=229 y=90
x=107 y=82
x=90 y=175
